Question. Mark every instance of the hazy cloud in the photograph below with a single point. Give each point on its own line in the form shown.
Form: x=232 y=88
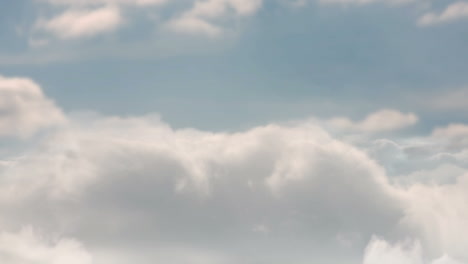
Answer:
x=203 y=17
x=383 y=120
x=454 y=11
x=82 y=23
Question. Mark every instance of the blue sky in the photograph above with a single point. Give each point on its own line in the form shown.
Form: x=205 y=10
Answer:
x=233 y=131
x=281 y=62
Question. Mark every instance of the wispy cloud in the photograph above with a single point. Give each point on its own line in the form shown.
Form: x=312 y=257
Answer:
x=455 y=11
x=380 y=121
x=204 y=15
x=82 y=22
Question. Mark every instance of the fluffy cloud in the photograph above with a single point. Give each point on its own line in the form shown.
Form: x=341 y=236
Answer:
x=383 y=120
x=24 y=109
x=140 y=179
x=82 y=22
x=455 y=11
x=136 y=190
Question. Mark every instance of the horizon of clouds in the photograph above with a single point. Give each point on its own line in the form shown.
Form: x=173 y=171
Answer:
x=104 y=184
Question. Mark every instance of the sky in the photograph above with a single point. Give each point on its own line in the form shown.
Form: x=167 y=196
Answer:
x=233 y=131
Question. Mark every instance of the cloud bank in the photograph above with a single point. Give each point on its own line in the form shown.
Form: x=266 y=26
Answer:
x=124 y=190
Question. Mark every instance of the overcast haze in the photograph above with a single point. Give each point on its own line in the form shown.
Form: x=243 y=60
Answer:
x=233 y=131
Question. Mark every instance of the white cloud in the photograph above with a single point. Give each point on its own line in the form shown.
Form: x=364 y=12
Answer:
x=407 y=252
x=455 y=136
x=438 y=214
x=204 y=16
x=193 y=25
x=78 y=23
x=28 y=246
x=380 y=252
x=380 y=121
x=140 y=179
x=454 y=11
x=446 y=260
x=129 y=185
x=24 y=109
x=87 y=18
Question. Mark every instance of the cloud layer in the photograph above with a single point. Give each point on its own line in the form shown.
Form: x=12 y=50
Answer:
x=136 y=190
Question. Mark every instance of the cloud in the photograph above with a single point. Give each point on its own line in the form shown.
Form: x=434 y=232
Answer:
x=454 y=11
x=28 y=246
x=78 y=23
x=24 y=109
x=135 y=189
x=383 y=120
x=204 y=15
x=137 y=178
x=194 y=25
x=452 y=100
x=85 y=19
x=407 y=252
x=104 y=2
x=454 y=135
x=364 y=2
x=380 y=252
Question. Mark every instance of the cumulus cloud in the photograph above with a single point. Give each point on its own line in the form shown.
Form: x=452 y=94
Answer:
x=28 y=246
x=140 y=179
x=78 y=23
x=137 y=190
x=380 y=121
x=24 y=109
x=454 y=11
